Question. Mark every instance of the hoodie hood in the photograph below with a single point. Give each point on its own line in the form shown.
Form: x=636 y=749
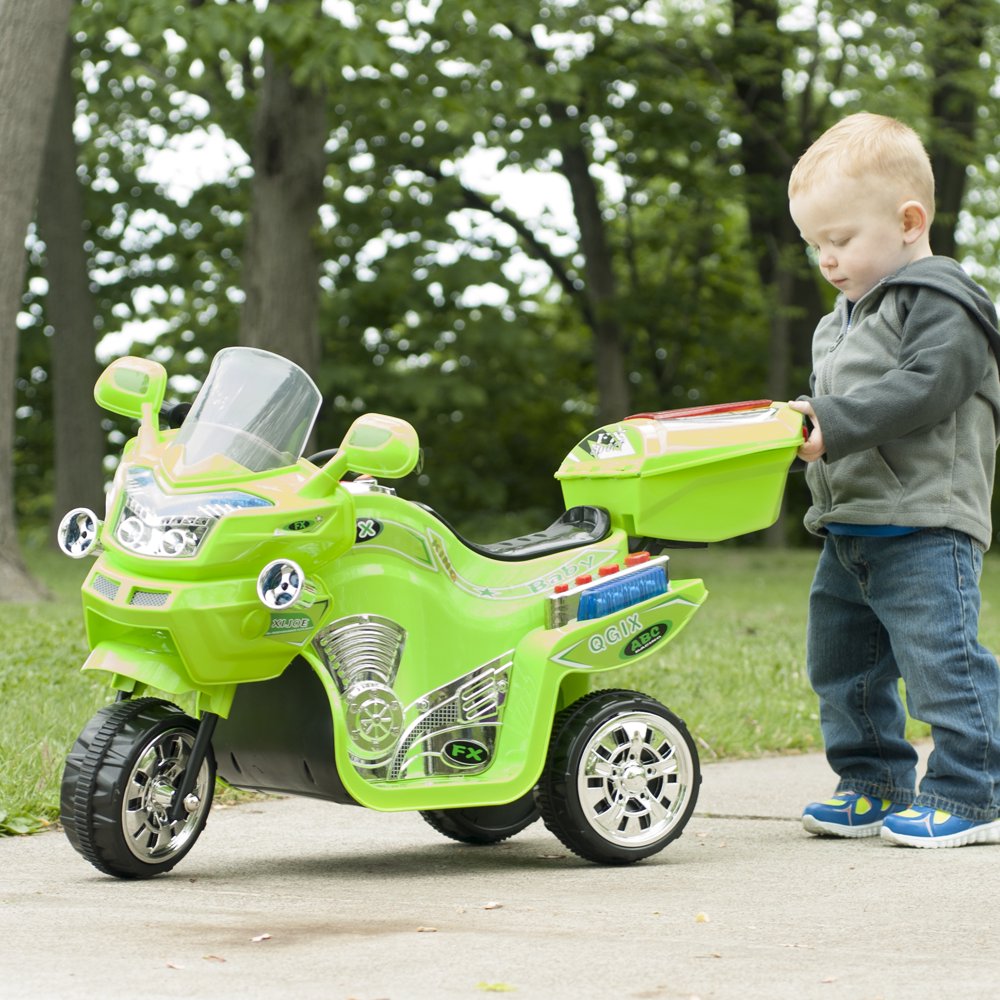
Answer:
x=946 y=276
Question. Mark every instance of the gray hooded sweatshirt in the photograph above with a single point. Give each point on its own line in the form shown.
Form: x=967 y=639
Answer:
x=906 y=392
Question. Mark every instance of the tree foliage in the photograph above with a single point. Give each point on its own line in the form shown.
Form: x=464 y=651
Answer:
x=534 y=217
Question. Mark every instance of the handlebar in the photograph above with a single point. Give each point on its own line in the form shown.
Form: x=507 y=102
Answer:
x=173 y=414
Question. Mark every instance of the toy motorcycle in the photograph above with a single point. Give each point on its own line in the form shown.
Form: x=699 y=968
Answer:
x=341 y=642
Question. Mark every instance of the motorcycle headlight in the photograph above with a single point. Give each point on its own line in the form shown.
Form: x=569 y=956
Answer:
x=154 y=523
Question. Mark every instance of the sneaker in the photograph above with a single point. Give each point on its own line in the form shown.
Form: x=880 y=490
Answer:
x=920 y=826
x=847 y=814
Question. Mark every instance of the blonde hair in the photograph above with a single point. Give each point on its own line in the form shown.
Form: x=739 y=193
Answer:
x=866 y=145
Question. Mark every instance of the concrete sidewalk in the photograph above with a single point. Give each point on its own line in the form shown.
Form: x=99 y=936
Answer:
x=297 y=898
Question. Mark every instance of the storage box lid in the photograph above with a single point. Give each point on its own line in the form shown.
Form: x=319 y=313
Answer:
x=652 y=444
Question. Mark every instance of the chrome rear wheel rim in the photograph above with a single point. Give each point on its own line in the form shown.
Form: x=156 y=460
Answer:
x=635 y=779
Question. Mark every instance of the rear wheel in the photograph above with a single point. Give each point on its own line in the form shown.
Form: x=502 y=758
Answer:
x=119 y=786
x=621 y=779
x=484 y=824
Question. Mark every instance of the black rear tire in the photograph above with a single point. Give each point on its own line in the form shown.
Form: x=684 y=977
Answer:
x=484 y=824
x=119 y=783
x=621 y=779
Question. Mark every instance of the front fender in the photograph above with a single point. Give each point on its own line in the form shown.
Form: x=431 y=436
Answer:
x=131 y=667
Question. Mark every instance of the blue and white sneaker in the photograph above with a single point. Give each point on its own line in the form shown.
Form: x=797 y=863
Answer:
x=920 y=826
x=848 y=814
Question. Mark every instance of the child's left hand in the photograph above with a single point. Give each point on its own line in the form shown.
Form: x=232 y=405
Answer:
x=813 y=447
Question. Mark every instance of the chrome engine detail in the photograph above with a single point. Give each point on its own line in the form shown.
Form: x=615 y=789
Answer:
x=374 y=719
x=390 y=741
x=362 y=653
x=361 y=648
x=469 y=709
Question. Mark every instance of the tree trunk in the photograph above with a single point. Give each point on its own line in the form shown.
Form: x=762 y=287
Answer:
x=280 y=266
x=612 y=383
x=79 y=440
x=959 y=85
x=32 y=35
x=771 y=145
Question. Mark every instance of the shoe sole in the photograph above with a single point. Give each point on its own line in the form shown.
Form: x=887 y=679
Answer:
x=821 y=829
x=989 y=834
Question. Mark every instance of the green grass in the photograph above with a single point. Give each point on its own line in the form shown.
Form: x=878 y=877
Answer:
x=44 y=698
x=736 y=674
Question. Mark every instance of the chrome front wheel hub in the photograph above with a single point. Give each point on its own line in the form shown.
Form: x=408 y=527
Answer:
x=149 y=832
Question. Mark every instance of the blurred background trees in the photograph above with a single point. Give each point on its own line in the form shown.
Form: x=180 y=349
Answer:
x=507 y=223
x=32 y=38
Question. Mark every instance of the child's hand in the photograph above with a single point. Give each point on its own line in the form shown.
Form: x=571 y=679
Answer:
x=813 y=447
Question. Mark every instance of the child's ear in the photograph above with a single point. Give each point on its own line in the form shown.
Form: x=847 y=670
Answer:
x=914 y=219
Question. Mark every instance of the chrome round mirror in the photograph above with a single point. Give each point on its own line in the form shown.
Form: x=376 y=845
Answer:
x=280 y=584
x=77 y=534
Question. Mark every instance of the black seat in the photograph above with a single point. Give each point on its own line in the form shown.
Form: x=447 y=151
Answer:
x=577 y=526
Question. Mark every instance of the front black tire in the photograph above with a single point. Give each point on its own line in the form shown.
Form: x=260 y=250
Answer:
x=621 y=779
x=484 y=824
x=119 y=784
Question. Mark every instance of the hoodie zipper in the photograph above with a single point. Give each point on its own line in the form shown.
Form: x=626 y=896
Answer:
x=823 y=383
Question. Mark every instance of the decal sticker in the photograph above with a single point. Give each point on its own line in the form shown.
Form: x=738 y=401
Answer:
x=399 y=539
x=367 y=528
x=466 y=753
x=614 y=634
x=646 y=639
x=281 y=624
x=607 y=444
x=573 y=566
x=625 y=636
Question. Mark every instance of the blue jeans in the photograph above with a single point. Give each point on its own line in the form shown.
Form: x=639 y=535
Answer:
x=885 y=608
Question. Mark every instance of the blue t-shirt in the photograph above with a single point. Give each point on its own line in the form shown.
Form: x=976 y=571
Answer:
x=870 y=530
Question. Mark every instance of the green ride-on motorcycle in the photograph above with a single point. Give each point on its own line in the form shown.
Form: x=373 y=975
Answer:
x=342 y=642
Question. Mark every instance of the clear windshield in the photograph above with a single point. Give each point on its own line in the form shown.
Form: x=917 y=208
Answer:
x=255 y=408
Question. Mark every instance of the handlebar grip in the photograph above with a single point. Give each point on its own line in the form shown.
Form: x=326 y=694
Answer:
x=173 y=414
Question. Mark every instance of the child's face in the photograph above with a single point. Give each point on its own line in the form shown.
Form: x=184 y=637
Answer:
x=857 y=231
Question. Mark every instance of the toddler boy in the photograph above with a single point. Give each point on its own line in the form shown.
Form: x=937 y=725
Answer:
x=905 y=410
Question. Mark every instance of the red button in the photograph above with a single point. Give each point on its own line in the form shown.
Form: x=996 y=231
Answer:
x=608 y=570
x=586 y=578
x=561 y=588
x=636 y=558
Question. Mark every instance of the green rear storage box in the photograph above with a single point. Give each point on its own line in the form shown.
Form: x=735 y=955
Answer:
x=697 y=475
